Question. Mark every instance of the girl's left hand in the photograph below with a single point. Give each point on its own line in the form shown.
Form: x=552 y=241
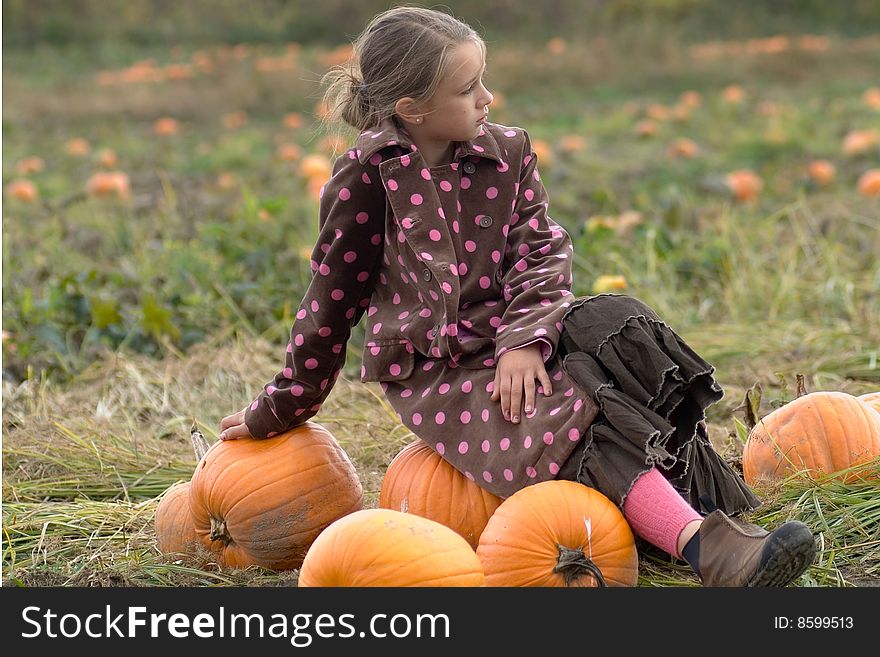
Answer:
x=516 y=372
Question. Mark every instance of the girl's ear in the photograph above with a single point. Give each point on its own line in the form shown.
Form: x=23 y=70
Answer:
x=407 y=110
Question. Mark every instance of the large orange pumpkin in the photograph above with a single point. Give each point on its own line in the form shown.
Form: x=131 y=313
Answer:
x=558 y=533
x=175 y=531
x=818 y=433
x=418 y=480
x=383 y=547
x=264 y=501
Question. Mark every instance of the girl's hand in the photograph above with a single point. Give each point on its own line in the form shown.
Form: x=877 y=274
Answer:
x=516 y=371
x=233 y=427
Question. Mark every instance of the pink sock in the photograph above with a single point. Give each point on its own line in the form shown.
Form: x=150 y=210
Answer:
x=656 y=512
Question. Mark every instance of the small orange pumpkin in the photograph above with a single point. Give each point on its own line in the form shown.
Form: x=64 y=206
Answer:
x=820 y=432
x=383 y=547
x=175 y=531
x=558 y=533
x=264 y=501
x=869 y=183
x=418 y=480
x=744 y=184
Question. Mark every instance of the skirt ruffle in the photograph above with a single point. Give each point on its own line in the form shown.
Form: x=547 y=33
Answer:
x=652 y=390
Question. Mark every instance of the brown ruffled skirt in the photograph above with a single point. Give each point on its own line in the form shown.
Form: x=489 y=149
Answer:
x=652 y=390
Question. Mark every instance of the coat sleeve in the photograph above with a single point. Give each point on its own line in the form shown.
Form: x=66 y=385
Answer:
x=537 y=282
x=345 y=262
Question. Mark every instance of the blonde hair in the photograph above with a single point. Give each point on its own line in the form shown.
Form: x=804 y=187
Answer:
x=403 y=52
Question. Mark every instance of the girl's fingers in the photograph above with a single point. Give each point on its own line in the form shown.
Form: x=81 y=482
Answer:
x=235 y=432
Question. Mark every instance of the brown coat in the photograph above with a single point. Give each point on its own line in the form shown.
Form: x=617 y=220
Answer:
x=454 y=265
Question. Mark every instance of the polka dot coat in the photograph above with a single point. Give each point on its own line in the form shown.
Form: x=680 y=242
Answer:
x=453 y=265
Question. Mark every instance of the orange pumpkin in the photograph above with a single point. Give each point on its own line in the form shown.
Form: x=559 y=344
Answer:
x=175 y=531
x=109 y=183
x=558 y=533
x=821 y=172
x=418 y=480
x=264 y=501
x=383 y=547
x=872 y=399
x=23 y=190
x=819 y=433
x=744 y=184
x=869 y=183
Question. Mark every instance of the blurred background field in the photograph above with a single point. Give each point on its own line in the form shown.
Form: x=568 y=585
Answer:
x=161 y=162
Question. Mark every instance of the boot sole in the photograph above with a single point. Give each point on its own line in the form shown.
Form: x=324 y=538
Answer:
x=788 y=552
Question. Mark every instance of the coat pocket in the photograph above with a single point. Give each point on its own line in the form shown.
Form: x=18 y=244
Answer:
x=388 y=360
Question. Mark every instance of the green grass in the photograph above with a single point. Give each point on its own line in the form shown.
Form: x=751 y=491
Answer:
x=125 y=321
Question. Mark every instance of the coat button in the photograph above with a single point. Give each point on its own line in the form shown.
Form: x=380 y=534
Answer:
x=469 y=167
x=426 y=274
x=485 y=221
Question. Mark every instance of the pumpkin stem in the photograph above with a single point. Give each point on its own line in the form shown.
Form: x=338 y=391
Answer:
x=219 y=532
x=200 y=445
x=801 y=387
x=574 y=564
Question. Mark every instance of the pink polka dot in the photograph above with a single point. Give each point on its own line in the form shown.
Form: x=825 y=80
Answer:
x=485 y=446
x=548 y=438
x=467 y=386
x=287 y=373
x=394 y=369
x=297 y=390
x=440 y=417
x=426 y=174
x=445 y=186
x=531 y=472
x=465 y=182
x=344 y=194
x=529 y=194
x=510 y=133
x=311 y=363
x=492 y=192
x=441 y=449
x=444 y=388
x=574 y=434
x=527 y=442
x=462 y=447
x=417 y=418
x=416 y=199
x=554 y=468
x=404 y=160
x=487 y=476
x=504 y=445
x=255 y=404
x=508 y=474
x=485 y=415
x=465 y=417
x=392 y=185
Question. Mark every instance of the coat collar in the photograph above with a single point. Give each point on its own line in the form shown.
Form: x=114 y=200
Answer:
x=390 y=133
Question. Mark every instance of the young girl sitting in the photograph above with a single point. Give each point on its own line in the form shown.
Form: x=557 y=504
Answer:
x=435 y=224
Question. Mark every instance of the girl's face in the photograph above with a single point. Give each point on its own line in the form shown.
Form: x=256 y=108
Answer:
x=461 y=102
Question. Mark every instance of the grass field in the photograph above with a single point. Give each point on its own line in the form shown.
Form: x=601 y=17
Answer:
x=167 y=300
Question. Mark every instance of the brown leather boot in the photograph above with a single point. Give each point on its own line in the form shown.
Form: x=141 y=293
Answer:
x=737 y=553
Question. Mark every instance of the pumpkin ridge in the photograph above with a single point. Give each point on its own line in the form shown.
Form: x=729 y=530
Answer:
x=275 y=482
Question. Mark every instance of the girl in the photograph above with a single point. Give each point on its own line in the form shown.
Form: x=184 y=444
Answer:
x=435 y=224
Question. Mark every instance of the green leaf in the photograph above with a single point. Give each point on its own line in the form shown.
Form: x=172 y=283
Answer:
x=742 y=431
x=104 y=312
x=156 y=319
